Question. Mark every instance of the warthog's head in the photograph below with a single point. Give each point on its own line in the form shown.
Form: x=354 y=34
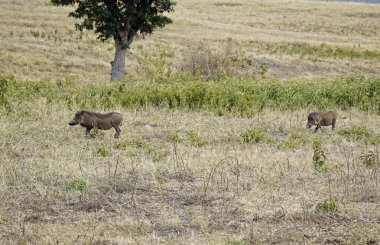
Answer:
x=77 y=119
x=312 y=119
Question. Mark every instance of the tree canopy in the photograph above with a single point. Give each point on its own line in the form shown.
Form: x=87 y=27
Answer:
x=112 y=18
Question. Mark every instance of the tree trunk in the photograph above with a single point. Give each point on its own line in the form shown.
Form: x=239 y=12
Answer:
x=118 y=64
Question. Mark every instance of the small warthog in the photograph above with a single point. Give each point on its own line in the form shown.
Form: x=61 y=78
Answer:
x=91 y=120
x=321 y=119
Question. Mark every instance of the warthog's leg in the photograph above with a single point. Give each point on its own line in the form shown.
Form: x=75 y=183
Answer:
x=333 y=124
x=318 y=127
x=118 y=130
x=88 y=130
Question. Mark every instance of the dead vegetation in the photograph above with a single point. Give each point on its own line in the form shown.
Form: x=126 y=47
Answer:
x=178 y=176
x=155 y=185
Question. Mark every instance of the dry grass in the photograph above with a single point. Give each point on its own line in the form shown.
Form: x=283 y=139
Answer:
x=38 y=40
x=159 y=184
x=182 y=177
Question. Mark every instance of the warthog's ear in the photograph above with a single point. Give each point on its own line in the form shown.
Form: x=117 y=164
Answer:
x=79 y=113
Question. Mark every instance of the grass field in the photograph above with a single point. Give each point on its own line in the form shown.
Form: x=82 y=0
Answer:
x=195 y=172
x=227 y=161
x=283 y=39
x=174 y=178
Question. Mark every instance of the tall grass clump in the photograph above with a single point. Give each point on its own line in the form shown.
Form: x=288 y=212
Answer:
x=375 y=140
x=322 y=51
x=203 y=61
x=295 y=139
x=355 y=133
x=369 y=159
x=195 y=140
x=4 y=86
x=319 y=157
x=255 y=135
x=237 y=96
x=327 y=206
x=76 y=185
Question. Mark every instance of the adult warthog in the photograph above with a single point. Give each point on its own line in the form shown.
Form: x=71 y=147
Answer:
x=95 y=120
x=321 y=119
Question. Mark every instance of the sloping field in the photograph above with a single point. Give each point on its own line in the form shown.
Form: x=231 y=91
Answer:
x=282 y=39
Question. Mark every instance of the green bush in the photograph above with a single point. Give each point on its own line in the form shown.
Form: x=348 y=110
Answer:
x=237 y=96
x=327 y=205
x=319 y=158
x=295 y=139
x=76 y=185
x=4 y=85
x=254 y=136
x=102 y=151
x=369 y=158
x=134 y=148
x=195 y=140
x=173 y=137
x=374 y=140
x=354 y=133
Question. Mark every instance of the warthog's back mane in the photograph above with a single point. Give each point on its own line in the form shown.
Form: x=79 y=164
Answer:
x=99 y=115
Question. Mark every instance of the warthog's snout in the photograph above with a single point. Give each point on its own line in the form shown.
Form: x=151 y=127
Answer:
x=78 y=118
x=312 y=119
x=75 y=121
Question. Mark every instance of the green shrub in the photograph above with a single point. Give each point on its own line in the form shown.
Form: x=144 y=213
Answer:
x=134 y=148
x=319 y=158
x=5 y=84
x=159 y=155
x=295 y=139
x=254 y=136
x=173 y=137
x=76 y=185
x=327 y=206
x=121 y=145
x=102 y=151
x=354 y=133
x=374 y=140
x=195 y=140
x=369 y=158
x=243 y=97
x=235 y=242
x=140 y=144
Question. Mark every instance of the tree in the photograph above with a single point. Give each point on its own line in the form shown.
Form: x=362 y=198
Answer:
x=121 y=20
